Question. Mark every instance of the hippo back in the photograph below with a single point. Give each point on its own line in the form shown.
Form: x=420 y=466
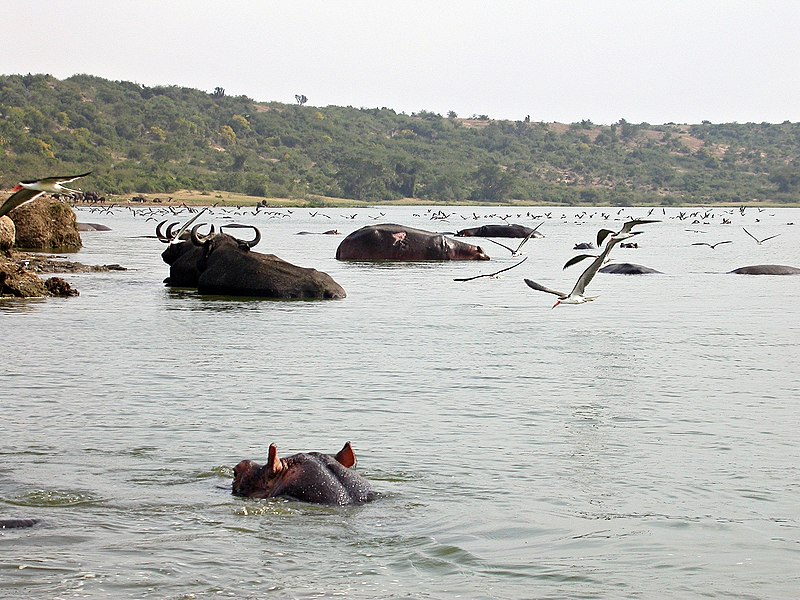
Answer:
x=766 y=270
x=399 y=243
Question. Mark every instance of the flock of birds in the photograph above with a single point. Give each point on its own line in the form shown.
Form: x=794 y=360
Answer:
x=28 y=191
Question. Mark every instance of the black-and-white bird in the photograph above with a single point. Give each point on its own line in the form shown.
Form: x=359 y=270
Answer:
x=28 y=191
x=712 y=246
x=623 y=233
x=577 y=296
x=521 y=244
x=758 y=241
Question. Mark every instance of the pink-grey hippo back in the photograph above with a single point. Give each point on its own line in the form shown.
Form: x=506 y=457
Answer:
x=393 y=242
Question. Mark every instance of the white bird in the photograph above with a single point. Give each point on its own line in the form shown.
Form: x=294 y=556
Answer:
x=758 y=241
x=28 y=191
x=576 y=296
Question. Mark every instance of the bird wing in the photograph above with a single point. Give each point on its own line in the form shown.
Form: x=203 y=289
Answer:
x=527 y=237
x=499 y=244
x=591 y=270
x=491 y=274
x=751 y=235
x=601 y=235
x=626 y=228
x=18 y=198
x=541 y=288
x=64 y=179
x=587 y=275
x=522 y=243
x=770 y=237
x=725 y=242
x=177 y=236
x=702 y=244
x=576 y=259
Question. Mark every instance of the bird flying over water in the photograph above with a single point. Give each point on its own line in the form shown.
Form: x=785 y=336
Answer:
x=28 y=191
x=576 y=296
x=522 y=243
x=712 y=246
x=623 y=233
x=759 y=242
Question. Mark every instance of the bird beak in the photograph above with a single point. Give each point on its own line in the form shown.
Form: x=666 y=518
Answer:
x=17 y=188
x=557 y=303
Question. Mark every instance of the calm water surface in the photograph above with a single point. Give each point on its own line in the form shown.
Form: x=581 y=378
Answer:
x=641 y=446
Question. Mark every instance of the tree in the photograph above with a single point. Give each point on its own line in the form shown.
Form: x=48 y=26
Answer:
x=218 y=92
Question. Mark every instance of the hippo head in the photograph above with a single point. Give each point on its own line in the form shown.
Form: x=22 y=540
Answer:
x=309 y=477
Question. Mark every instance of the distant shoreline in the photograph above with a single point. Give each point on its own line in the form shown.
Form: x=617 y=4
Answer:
x=230 y=199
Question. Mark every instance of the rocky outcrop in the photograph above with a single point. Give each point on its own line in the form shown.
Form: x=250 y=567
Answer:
x=46 y=224
x=7 y=234
x=19 y=279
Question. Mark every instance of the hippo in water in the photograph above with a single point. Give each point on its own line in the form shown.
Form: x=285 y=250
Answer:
x=766 y=270
x=397 y=242
x=17 y=523
x=509 y=231
x=627 y=269
x=308 y=477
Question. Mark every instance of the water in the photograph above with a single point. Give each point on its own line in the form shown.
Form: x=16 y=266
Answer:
x=644 y=445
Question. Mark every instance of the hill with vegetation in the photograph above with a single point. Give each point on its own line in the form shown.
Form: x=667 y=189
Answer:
x=139 y=139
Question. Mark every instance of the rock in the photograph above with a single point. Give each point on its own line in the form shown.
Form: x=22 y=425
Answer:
x=46 y=224
x=58 y=287
x=7 y=233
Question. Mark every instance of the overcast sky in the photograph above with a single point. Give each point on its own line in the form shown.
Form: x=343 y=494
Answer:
x=641 y=60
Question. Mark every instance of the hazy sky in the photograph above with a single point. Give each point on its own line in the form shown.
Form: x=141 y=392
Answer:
x=641 y=60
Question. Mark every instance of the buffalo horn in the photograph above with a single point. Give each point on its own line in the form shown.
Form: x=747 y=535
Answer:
x=197 y=239
x=170 y=229
x=160 y=235
x=254 y=242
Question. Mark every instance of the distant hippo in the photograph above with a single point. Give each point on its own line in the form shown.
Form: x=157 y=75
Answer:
x=92 y=227
x=397 y=242
x=766 y=270
x=17 y=523
x=308 y=477
x=509 y=231
x=627 y=269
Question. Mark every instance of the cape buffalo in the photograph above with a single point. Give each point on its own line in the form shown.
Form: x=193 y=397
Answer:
x=397 y=242
x=181 y=256
x=227 y=266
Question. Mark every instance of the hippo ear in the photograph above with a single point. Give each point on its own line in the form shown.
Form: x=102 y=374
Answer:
x=273 y=462
x=346 y=457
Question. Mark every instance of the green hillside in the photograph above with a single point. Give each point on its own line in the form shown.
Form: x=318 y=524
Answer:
x=139 y=139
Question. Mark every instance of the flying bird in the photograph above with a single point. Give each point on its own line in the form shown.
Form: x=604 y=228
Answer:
x=576 y=296
x=495 y=274
x=712 y=246
x=759 y=242
x=28 y=191
x=522 y=243
x=623 y=233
